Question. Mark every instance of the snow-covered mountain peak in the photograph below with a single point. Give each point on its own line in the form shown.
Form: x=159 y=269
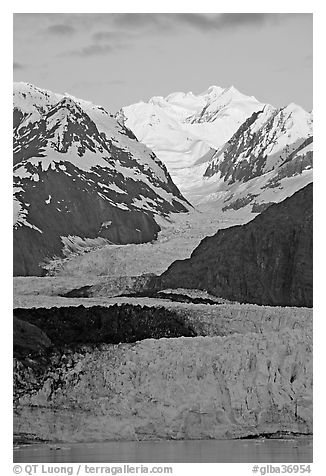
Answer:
x=212 y=91
x=293 y=107
x=171 y=97
x=219 y=95
x=301 y=115
x=81 y=175
x=222 y=138
x=32 y=101
x=68 y=102
x=159 y=101
x=185 y=129
x=231 y=92
x=295 y=120
x=65 y=107
x=31 y=93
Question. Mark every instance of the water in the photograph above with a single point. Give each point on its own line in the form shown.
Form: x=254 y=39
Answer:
x=297 y=450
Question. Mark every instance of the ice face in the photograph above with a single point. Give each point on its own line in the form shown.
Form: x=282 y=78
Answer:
x=256 y=380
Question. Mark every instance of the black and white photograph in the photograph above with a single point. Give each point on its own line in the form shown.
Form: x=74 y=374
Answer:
x=162 y=240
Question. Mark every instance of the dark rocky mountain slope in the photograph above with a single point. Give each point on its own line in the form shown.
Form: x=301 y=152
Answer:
x=81 y=179
x=267 y=261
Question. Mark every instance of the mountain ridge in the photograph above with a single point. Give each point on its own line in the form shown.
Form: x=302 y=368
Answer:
x=183 y=129
x=79 y=175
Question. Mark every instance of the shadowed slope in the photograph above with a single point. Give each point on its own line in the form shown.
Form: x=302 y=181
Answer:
x=267 y=261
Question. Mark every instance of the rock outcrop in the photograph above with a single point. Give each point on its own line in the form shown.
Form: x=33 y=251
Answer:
x=266 y=261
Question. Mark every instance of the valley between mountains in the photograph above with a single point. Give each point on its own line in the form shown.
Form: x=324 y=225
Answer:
x=162 y=268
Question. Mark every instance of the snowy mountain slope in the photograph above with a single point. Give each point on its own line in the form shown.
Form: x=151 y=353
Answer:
x=185 y=129
x=80 y=179
x=224 y=147
x=266 y=160
x=263 y=143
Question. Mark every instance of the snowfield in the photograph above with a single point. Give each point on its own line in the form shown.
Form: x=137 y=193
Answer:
x=183 y=128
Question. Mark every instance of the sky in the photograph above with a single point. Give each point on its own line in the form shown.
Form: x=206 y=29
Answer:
x=116 y=59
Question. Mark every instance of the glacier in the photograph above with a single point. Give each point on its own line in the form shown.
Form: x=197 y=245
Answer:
x=254 y=378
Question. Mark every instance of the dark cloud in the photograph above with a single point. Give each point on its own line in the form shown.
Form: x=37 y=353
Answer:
x=139 y=20
x=195 y=20
x=17 y=66
x=115 y=30
x=61 y=30
x=120 y=27
x=199 y=21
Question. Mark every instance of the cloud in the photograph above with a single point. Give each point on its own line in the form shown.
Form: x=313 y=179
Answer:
x=199 y=21
x=110 y=35
x=229 y=20
x=102 y=43
x=17 y=66
x=117 y=28
x=93 y=50
x=109 y=32
x=60 y=30
x=138 y=20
